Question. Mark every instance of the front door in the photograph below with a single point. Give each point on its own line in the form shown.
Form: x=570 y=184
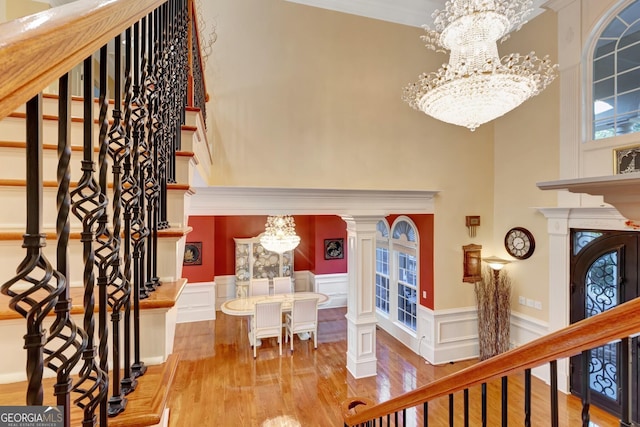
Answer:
x=604 y=273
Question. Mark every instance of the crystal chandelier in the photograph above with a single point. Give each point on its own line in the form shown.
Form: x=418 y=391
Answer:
x=476 y=86
x=280 y=234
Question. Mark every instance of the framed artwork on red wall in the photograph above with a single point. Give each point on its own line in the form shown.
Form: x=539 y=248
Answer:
x=333 y=248
x=192 y=253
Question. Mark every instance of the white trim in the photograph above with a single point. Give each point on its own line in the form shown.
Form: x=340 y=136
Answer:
x=334 y=285
x=197 y=302
x=308 y=201
x=225 y=289
x=415 y=13
x=447 y=335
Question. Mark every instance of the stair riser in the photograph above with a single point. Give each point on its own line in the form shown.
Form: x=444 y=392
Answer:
x=15 y=218
x=14 y=129
x=153 y=324
x=13 y=165
x=12 y=254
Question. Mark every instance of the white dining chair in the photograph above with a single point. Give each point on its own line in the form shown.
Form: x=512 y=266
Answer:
x=282 y=285
x=303 y=318
x=266 y=323
x=259 y=287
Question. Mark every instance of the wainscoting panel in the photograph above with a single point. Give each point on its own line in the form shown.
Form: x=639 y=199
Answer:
x=225 y=289
x=334 y=285
x=197 y=302
x=447 y=335
x=525 y=329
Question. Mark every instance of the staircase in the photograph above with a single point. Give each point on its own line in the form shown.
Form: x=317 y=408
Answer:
x=96 y=194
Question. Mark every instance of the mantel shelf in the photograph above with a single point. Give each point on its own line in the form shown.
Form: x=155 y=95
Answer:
x=622 y=191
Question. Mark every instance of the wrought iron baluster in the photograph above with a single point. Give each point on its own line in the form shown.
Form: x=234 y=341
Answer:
x=66 y=340
x=44 y=284
x=139 y=230
x=527 y=397
x=466 y=407
x=149 y=157
x=553 y=367
x=104 y=253
x=425 y=410
x=119 y=289
x=505 y=401
x=130 y=195
x=88 y=205
x=451 y=410
x=625 y=388
x=586 y=387
x=484 y=404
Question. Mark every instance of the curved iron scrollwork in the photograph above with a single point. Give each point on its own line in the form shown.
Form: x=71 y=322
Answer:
x=44 y=285
x=88 y=205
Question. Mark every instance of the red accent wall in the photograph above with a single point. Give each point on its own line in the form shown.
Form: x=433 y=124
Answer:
x=218 y=247
x=329 y=227
x=203 y=231
x=424 y=224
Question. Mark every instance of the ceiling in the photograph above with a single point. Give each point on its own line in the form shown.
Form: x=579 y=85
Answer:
x=415 y=13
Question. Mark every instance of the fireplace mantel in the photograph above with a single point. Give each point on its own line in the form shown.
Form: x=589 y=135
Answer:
x=621 y=191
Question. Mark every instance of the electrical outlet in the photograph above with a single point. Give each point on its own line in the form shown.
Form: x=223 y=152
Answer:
x=530 y=302
x=537 y=305
x=522 y=300
x=424 y=294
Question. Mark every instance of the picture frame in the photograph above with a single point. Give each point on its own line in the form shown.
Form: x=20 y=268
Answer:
x=192 y=253
x=626 y=159
x=472 y=263
x=333 y=248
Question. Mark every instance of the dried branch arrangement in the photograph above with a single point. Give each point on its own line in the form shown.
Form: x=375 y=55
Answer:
x=494 y=312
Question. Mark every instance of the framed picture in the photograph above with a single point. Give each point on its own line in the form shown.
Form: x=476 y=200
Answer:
x=192 y=253
x=472 y=263
x=626 y=159
x=333 y=248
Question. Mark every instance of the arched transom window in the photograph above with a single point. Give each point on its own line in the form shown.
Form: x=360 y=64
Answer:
x=616 y=75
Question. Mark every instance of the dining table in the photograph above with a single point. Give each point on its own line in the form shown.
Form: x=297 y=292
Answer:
x=245 y=305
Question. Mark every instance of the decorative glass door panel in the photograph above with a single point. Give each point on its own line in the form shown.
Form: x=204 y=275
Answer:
x=604 y=273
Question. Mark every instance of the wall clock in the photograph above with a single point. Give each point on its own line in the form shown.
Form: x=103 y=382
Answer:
x=519 y=243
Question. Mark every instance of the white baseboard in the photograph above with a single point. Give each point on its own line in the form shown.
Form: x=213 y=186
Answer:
x=197 y=302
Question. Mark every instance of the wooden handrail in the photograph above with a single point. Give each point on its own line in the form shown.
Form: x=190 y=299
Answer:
x=617 y=323
x=37 y=49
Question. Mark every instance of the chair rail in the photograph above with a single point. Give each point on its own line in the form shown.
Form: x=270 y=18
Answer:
x=615 y=324
x=37 y=49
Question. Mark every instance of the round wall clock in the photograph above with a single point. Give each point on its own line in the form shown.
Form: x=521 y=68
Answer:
x=519 y=243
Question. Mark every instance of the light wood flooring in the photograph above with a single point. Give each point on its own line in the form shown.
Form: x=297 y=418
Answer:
x=218 y=383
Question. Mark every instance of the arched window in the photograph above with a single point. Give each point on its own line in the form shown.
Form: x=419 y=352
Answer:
x=405 y=271
x=616 y=75
x=382 y=267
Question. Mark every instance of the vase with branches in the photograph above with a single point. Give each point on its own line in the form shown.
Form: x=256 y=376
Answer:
x=493 y=296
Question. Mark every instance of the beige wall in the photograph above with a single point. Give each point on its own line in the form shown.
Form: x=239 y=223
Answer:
x=306 y=97
x=19 y=8
x=526 y=152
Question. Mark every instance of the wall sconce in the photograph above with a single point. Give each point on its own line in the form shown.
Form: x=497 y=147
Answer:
x=496 y=265
x=472 y=222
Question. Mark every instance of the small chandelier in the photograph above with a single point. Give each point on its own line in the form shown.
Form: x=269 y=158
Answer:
x=280 y=234
x=476 y=86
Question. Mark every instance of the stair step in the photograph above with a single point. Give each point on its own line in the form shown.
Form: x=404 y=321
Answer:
x=170 y=250
x=13 y=193
x=146 y=404
x=164 y=296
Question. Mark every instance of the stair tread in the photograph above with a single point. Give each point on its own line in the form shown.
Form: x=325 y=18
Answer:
x=75 y=234
x=145 y=404
x=165 y=296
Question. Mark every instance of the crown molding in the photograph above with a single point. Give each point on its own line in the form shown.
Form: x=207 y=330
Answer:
x=308 y=201
x=414 y=13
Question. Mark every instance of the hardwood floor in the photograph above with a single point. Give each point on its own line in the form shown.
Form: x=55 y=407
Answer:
x=218 y=383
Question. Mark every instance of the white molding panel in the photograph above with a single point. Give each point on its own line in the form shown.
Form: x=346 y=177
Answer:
x=447 y=335
x=334 y=285
x=197 y=302
x=225 y=289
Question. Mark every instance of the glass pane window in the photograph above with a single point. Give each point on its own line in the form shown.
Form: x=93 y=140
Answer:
x=616 y=76
x=382 y=279
x=407 y=290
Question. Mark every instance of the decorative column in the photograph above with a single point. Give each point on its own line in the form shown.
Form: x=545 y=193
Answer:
x=361 y=315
